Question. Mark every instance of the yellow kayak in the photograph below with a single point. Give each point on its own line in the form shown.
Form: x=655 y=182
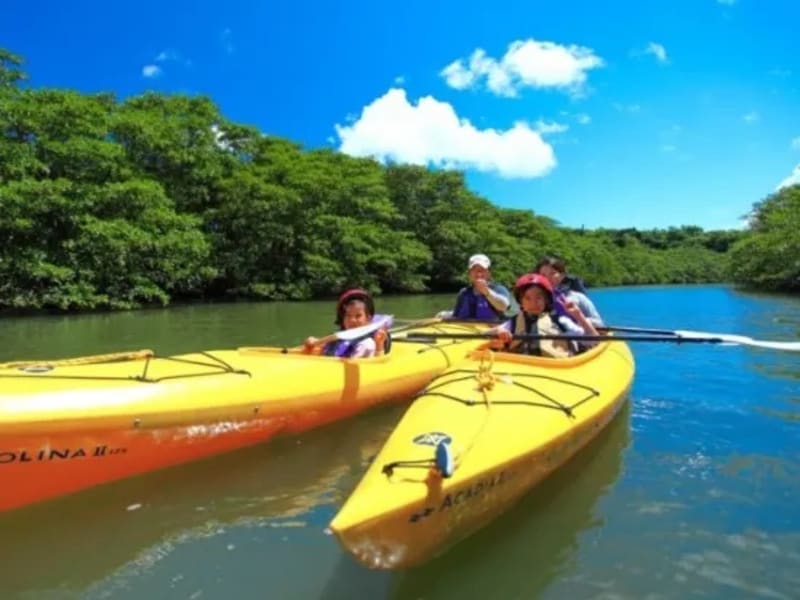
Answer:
x=482 y=434
x=75 y=423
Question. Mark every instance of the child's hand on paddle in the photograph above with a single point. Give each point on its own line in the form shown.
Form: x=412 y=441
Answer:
x=380 y=340
x=502 y=337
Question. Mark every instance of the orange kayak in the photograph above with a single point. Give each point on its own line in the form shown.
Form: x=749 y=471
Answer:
x=70 y=424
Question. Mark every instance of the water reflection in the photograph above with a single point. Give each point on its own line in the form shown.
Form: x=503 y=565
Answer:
x=61 y=547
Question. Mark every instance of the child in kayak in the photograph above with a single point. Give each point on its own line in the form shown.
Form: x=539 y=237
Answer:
x=355 y=308
x=534 y=293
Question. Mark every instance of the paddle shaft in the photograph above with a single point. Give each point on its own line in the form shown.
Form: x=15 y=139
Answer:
x=682 y=335
x=578 y=338
x=642 y=330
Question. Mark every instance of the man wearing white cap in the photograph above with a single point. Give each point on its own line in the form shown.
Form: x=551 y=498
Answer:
x=484 y=299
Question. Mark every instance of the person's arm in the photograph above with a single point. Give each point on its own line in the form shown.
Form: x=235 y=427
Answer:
x=587 y=308
x=497 y=295
x=312 y=346
x=502 y=334
x=569 y=326
x=584 y=323
x=497 y=300
x=560 y=305
x=380 y=342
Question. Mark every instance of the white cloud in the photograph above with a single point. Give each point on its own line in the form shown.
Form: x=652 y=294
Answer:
x=545 y=127
x=583 y=118
x=457 y=76
x=796 y=143
x=172 y=56
x=151 y=71
x=528 y=63
x=658 y=51
x=629 y=108
x=430 y=132
x=226 y=39
x=751 y=117
x=165 y=56
x=792 y=179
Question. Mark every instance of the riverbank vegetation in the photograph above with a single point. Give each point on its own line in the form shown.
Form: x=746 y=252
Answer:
x=768 y=256
x=109 y=203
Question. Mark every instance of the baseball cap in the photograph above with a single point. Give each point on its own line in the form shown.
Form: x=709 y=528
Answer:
x=479 y=259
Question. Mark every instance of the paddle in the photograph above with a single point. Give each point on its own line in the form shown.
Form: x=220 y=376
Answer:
x=637 y=330
x=404 y=324
x=718 y=338
x=383 y=321
x=676 y=337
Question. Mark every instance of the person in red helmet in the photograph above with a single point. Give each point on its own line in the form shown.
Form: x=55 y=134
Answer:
x=355 y=308
x=534 y=293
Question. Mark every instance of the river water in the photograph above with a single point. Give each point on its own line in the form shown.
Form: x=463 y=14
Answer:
x=692 y=492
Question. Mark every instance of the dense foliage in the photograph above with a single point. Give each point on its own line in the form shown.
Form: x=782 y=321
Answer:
x=109 y=204
x=768 y=257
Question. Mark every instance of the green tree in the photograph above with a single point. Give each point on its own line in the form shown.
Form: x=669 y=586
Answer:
x=768 y=256
x=10 y=71
x=119 y=204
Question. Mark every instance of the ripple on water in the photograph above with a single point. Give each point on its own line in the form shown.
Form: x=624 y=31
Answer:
x=150 y=558
x=678 y=560
x=658 y=508
x=758 y=468
x=650 y=409
x=745 y=562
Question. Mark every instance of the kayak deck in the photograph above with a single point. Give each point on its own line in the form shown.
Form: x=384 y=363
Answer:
x=508 y=421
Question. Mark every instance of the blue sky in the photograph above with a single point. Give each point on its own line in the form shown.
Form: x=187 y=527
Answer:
x=603 y=114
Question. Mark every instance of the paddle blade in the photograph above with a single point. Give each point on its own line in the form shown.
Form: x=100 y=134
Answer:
x=724 y=338
x=380 y=322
